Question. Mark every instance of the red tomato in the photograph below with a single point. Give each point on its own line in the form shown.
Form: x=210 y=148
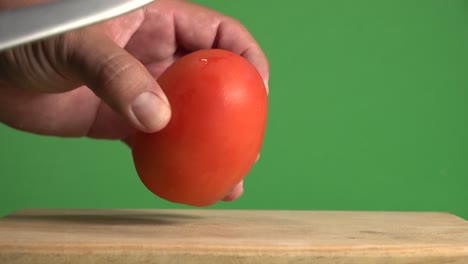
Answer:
x=219 y=113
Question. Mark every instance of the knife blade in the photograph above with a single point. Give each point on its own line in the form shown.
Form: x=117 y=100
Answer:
x=28 y=24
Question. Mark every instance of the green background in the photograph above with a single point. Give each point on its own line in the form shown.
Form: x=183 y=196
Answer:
x=368 y=111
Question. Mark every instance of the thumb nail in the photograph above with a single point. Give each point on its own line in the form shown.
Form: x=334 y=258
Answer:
x=150 y=112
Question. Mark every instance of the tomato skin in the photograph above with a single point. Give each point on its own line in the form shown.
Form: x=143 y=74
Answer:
x=219 y=113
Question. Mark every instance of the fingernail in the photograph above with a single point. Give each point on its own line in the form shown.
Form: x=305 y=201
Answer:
x=266 y=87
x=235 y=193
x=150 y=112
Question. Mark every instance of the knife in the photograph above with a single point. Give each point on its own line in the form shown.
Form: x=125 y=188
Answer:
x=28 y=24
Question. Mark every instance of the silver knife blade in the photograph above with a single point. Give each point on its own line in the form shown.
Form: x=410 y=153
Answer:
x=28 y=24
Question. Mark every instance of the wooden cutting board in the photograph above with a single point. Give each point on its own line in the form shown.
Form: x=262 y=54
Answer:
x=222 y=236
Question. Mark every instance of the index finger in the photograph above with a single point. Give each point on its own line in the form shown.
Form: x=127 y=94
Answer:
x=198 y=27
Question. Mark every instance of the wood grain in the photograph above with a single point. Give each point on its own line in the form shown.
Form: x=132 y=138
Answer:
x=229 y=236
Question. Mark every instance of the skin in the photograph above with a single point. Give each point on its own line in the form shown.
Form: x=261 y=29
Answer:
x=99 y=82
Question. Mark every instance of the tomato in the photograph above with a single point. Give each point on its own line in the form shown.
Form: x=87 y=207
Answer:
x=219 y=113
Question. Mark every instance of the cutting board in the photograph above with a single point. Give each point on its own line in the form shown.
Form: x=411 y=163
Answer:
x=227 y=236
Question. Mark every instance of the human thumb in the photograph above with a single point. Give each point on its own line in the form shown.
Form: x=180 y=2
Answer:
x=119 y=80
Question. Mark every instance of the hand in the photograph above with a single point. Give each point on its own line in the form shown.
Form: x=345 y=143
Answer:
x=99 y=82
